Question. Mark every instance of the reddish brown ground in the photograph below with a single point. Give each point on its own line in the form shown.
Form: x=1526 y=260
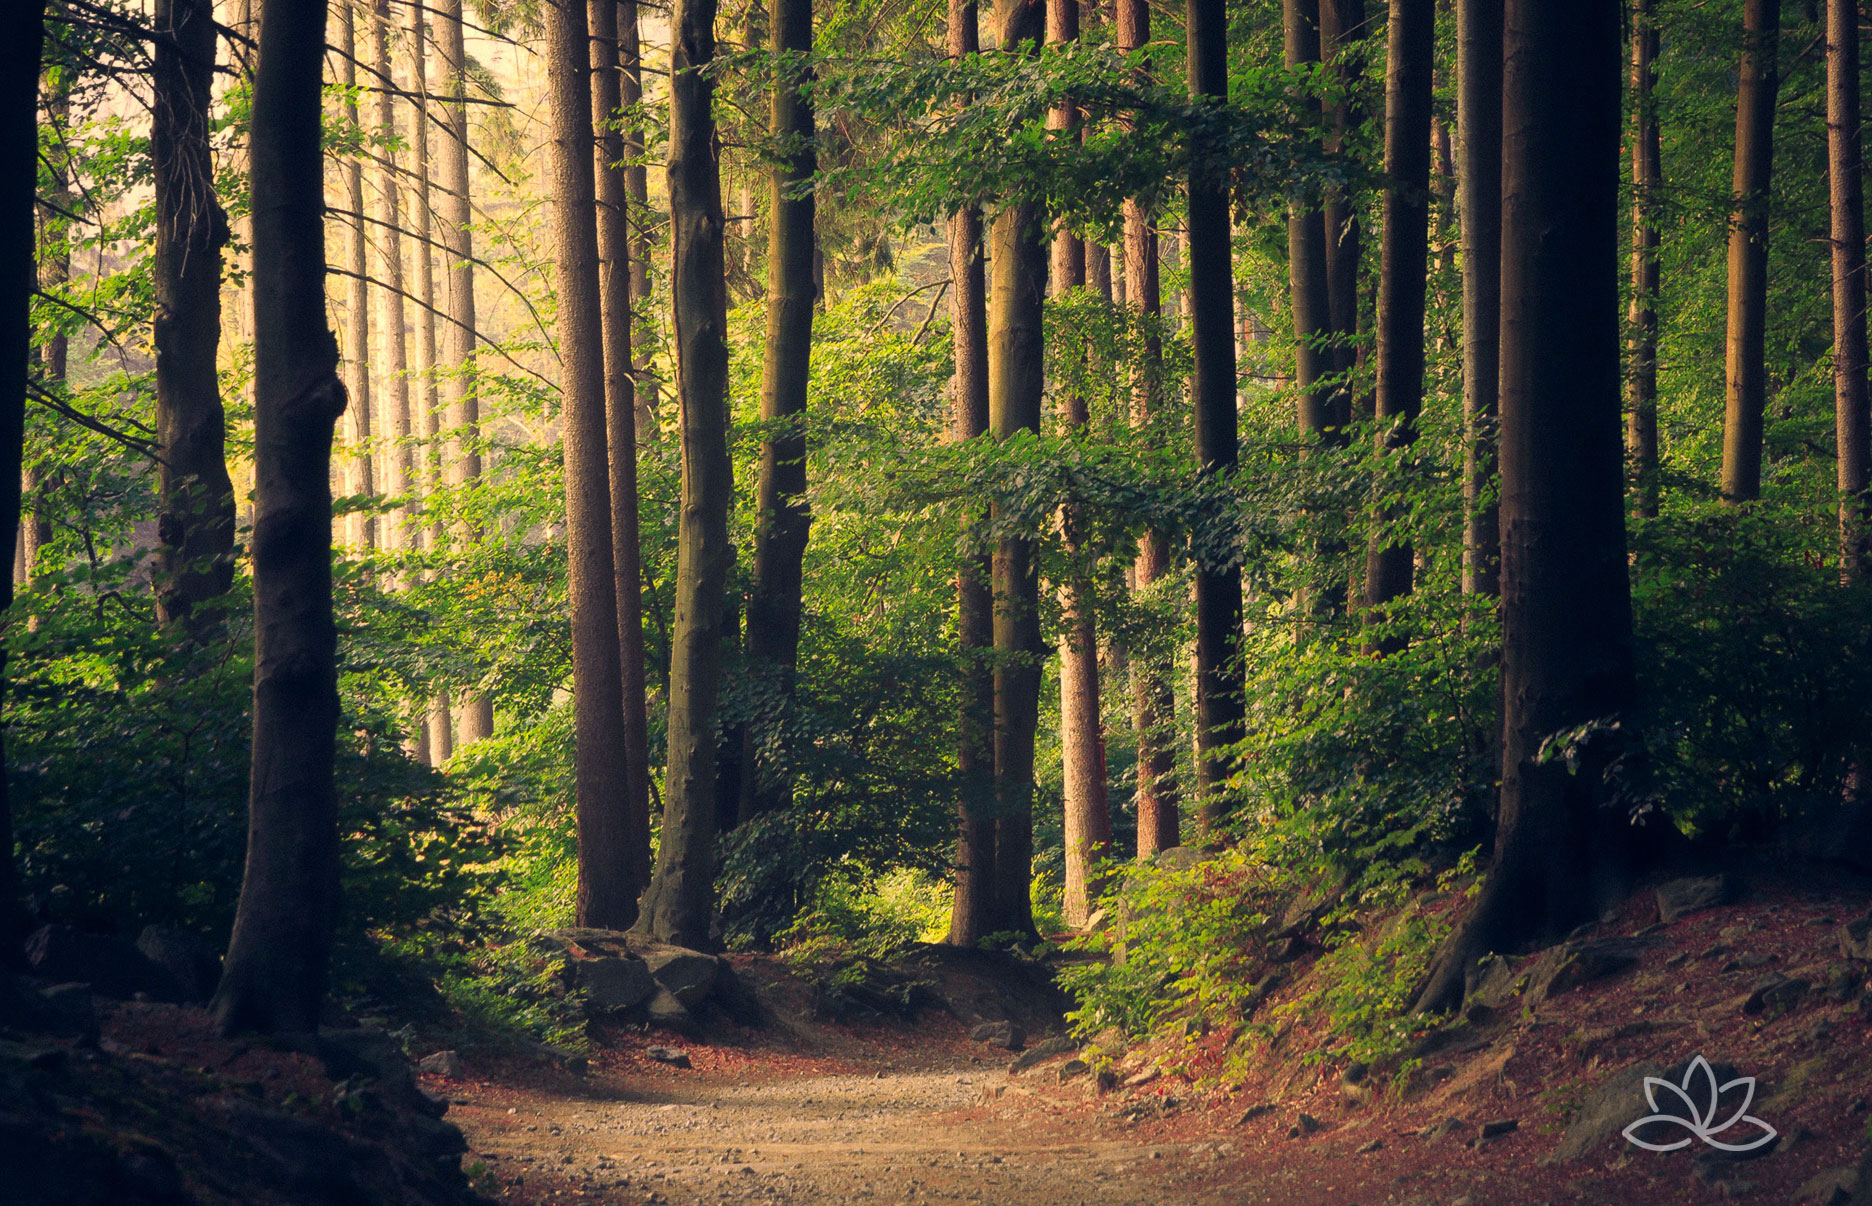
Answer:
x=833 y=1114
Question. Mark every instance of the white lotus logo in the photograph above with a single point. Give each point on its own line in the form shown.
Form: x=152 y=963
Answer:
x=1680 y=1111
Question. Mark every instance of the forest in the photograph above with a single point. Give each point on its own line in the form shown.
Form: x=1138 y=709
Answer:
x=1070 y=601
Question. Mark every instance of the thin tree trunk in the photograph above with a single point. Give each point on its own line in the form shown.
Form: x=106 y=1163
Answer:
x=1641 y=447
x=21 y=38
x=1567 y=657
x=1153 y=695
x=1016 y=378
x=1306 y=256
x=782 y=520
x=607 y=895
x=676 y=906
x=274 y=977
x=398 y=467
x=1403 y=261
x=1478 y=126
x=1744 y=344
x=973 y=915
x=1845 y=172
x=1219 y=709
x=362 y=526
x=1343 y=31
x=637 y=187
x=614 y=277
x=196 y=527
x=462 y=458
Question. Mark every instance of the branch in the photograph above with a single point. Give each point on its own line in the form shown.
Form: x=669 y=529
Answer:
x=77 y=416
x=368 y=279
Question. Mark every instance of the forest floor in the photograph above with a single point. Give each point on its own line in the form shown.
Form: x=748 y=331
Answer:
x=805 y=1112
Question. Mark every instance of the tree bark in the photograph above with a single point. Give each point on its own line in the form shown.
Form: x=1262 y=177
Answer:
x=1343 y=30
x=1744 y=350
x=1306 y=256
x=1478 y=128
x=972 y=916
x=607 y=895
x=637 y=187
x=783 y=520
x=462 y=458
x=195 y=561
x=1846 y=185
x=1641 y=448
x=1567 y=656
x=1219 y=709
x=614 y=279
x=1153 y=696
x=1016 y=379
x=274 y=976
x=676 y=906
x=393 y=411
x=361 y=525
x=21 y=38
x=1403 y=262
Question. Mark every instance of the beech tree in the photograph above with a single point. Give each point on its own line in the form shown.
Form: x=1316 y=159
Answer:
x=273 y=979
x=1641 y=450
x=1846 y=194
x=1744 y=346
x=1478 y=130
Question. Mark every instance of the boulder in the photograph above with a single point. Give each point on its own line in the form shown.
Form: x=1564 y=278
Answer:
x=25 y=1010
x=1598 y=1128
x=1490 y=981
x=1572 y=964
x=1856 y=939
x=611 y=983
x=190 y=958
x=665 y=1010
x=1681 y=896
x=1003 y=1034
x=1045 y=1049
x=673 y=1056
x=110 y=965
x=687 y=975
x=1775 y=995
x=1178 y=858
x=442 y=1063
x=311 y=1162
x=71 y=1010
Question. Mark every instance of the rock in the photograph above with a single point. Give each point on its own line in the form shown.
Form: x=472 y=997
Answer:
x=1072 y=1069
x=1178 y=858
x=442 y=1063
x=687 y=975
x=1253 y=1112
x=1490 y=981
x=1498 y=1128
x=665 y=1010
x=1775 y=995
x=1681 y=896
x=72 y=1011
x=310 y=1162
x=1045 y=1049
x=1305 y=1124
x=611 y=983
x=672 y=1056
x=1369 y=1146
x=1856 y=939
x=1829 y=1187
x=1138 y=1080
x=734 y=998
x=1441 y=1130
x=26 y=1011
x=1004 y=1034
x=192 y=959
x=111 y=966
x=1572 y=964
x=1598 y=1128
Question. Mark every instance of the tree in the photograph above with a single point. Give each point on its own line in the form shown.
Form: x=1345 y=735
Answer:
x=1153 y=699
x=463 y=463
x=676 y=906
x=1403 y=261
x=607 y=895
x=1306 y=255
x=1219 y=710
x=1567 y=658
x=1744 y=345
x=1641 y=450
x=620 y=406
x=1478 y=127
x=274 y=976
x=21 y=38
x=782 y=520
x=1016 y=378
x=637 y=186
x=972 y=916
x=393 y=410
x=363 y=526
x=1846 y=191
x=1343 y=29
x=196 y=528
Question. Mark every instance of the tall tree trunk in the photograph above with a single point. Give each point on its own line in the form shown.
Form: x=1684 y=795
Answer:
x=1153 y=696
x=1744 y=351
x=1082 y=745
x=1845 y=171
x=972 y=916
x=1478 y=126
x=21 y=38
x=1641 y=448
x=1567 y=655
x=1403 y=261
x=1343 y=31
x=362 y=525
x=1219 y=710
x=1016 y=379
x=782 y=520
x=677 y=905
x=607 y=895
x=439 y=724
x=614 y=277
x=637 y=187
x=195 y=560
x=1306 y=255
x=393 y=411
x=274 y=977
x=459 y=392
